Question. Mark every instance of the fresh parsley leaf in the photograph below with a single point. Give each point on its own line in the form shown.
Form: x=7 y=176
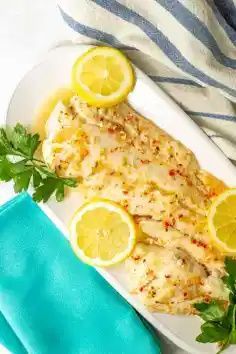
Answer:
x=60 y=191
x=48 y=187
x=34 y=143
x=19 y=139
x=5 y=145
x=17 y=163
x=233 y=329
x=24 y=142
x=229 y=281
x=45 y=190
x=233 y=337
x=229 y=322
x=22 y=180
x=37 y=179
x=220 y=325
x=5 y=169
x=213 y=311
x=18 y=167
x=70 y=182
x=230 y=267
x=227 y=319
x=212 y=332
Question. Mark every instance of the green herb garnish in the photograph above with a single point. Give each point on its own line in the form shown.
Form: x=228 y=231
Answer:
x=220 y=322
x=18 y=163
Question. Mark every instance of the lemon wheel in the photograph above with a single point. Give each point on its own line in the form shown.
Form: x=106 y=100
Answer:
x=222 y=221
x=102 y=76
x=102 y=233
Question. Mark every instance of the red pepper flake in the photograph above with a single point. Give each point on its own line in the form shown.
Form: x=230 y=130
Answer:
x=166 y=225
x=136 y=258
x=167 y=276
x=84 y=153
x=125 y=192
x=155 y=141
x=211 y=194
x=129 y=116
x=185 y=294
x=169 y=223
x=141 y=289
x=145 y=162
x=198 y=243
x=202 y=244
x=180 y=216
x=125 y=205
x=136 y=218
x=207 y=298
x=172 y=173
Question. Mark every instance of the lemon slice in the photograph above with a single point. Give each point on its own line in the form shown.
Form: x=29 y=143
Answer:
x=222 y=221
x=103 y=76
x=102 y=233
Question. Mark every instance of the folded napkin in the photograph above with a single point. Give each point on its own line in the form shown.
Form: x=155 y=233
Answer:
x=187 y=46
x=52 y=303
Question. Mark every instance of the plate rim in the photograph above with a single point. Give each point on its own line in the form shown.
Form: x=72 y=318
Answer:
x=62 y=227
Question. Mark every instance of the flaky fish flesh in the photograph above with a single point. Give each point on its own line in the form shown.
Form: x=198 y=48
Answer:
x=118 y=155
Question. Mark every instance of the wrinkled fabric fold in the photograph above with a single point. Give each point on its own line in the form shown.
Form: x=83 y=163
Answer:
x=187 y=47
x=52 y=303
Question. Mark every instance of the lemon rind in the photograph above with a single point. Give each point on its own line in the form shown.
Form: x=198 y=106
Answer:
x=213 y=233
x=97 y=99
x=112 y=206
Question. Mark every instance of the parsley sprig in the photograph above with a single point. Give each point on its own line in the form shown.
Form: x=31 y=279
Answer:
x=18 y=163
x=220 y=322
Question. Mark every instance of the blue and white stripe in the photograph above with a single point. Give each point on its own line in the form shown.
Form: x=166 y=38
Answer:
x=187 y=46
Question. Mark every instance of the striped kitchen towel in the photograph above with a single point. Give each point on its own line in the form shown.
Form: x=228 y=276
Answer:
x=187 y=46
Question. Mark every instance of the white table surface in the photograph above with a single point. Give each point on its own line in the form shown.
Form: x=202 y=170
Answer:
x=28 y=29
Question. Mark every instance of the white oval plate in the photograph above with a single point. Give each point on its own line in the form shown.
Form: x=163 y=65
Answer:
x=149 y=100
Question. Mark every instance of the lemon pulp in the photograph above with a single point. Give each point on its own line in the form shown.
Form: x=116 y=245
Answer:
x=103 y=76
x=102 y=233
x=222 y=221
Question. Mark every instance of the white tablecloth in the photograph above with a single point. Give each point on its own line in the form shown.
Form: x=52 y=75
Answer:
x=28 y=29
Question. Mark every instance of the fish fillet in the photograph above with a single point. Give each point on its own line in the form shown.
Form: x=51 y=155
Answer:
x=117 y=154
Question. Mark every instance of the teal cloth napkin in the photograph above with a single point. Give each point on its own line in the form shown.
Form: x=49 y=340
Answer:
x=50 y=302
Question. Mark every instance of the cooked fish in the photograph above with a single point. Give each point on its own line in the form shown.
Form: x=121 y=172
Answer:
x=170 y=280
x=117 y=154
